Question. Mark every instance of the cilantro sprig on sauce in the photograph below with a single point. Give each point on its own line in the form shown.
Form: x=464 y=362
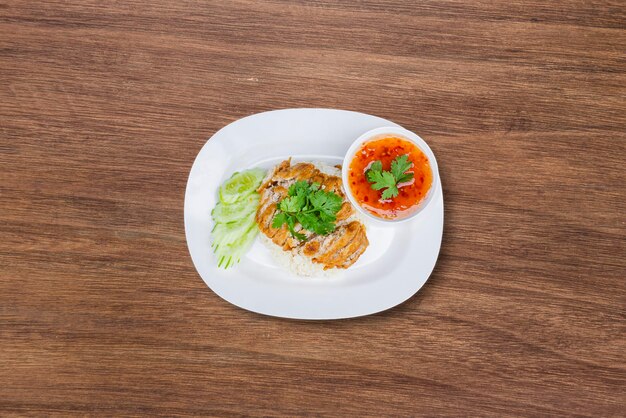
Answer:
x=388 y=180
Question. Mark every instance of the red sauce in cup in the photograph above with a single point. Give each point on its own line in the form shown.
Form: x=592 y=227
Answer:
x=410 y=194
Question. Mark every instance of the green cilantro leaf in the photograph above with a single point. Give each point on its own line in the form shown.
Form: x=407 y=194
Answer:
x=390 y=192
x=327 y=218
x=399 y=165
x=312 y=223
x=324 y=228
x=374 y=177
x=307 y=220
x=291 y=225
x=381 y=179
x=279 y=220
x=293 y=203
x=388 y=180
x=376 y=166
x=298 y=188
x=326 y=202
x=405 y=177
x=314 y=209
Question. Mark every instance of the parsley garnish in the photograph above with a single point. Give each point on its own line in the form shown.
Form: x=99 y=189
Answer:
x=314 y=209
x=389 y=180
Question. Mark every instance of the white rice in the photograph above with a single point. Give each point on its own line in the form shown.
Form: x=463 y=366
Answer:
x=294 y=262
x=297 y=263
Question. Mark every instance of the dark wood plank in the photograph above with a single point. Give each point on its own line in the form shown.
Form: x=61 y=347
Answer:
x=103 y=108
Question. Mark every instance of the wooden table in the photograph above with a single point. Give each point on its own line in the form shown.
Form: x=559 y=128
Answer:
x=103 y=108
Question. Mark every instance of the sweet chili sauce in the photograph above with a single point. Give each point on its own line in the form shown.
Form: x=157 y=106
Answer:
x=410 y=194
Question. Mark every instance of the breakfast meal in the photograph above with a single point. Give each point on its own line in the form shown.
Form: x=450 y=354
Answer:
x=310 y=218
x=389 y=177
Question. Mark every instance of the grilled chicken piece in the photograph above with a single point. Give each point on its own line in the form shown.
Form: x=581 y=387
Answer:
x=348 y=240
x=339 y=249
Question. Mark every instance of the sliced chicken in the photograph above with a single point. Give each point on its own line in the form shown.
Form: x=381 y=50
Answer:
x=339 y=249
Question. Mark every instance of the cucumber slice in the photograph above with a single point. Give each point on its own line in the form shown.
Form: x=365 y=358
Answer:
x=240 y=185
x=225 y=235
x=228 y=213
x=235 y=227
x=229 y=255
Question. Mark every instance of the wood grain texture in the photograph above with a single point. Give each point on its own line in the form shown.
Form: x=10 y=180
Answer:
x=104 y=105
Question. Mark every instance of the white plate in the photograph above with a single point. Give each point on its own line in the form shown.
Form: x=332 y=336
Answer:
x=395 y=265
